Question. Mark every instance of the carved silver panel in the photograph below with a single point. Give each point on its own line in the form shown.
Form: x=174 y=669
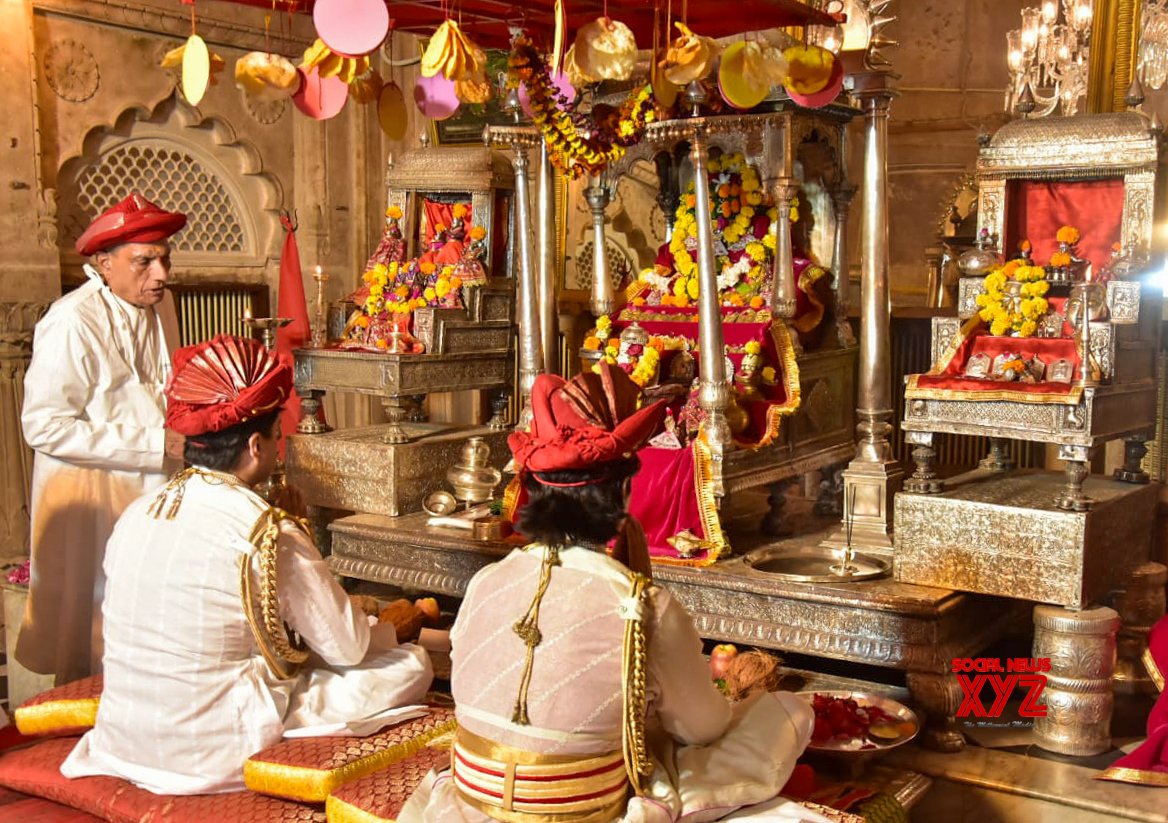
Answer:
x=968 y=288
x=1102 y=343
x=1123 y=301
x=945 y=330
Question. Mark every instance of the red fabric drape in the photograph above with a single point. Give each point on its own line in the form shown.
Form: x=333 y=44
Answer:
x=441 y=213
x=1035 y=211
x=291 y=303
x=664 y=498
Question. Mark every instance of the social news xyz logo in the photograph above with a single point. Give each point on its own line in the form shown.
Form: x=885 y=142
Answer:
x=973 y=673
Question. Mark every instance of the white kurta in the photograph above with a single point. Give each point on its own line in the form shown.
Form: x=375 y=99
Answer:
x=710 y=758
x=187 y=695
x=94 y=413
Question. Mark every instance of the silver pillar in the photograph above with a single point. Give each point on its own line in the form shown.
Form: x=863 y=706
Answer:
x=546 y=207
x=841 y=202
x=713 y=393
x=874 y=476
x=783 y=277
x=530 y=346
x=599 y=196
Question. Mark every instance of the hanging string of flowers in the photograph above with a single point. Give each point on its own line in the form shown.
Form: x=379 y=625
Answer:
x=578 y=144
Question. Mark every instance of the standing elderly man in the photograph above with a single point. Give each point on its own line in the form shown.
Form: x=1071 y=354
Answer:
x=94 y=413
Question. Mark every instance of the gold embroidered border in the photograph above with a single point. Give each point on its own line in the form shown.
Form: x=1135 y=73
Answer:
x=505 y=759
x=707 y=510
x=56 y=715
x=1153 y=670
x=913 y=392
x=809 y=320
x=1123 y=774
x=314 y=785
x=781 y=336
x=969 y=327
x=511 y=497
x=630 y=313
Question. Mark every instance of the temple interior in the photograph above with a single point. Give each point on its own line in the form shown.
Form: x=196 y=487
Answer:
x=893 y=269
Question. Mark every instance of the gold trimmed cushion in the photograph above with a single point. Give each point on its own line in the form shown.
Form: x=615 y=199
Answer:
x=64 y=711
x=310 y=769
x=380 y=796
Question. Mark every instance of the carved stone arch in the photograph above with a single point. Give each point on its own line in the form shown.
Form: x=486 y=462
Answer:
x=183 y=161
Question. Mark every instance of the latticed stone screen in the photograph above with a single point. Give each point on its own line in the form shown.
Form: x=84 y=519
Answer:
x=168 y=175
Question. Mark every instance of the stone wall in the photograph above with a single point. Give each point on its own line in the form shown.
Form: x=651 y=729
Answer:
x=78 y=78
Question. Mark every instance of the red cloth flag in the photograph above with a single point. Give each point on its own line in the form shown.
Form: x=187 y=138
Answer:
x=291 y=303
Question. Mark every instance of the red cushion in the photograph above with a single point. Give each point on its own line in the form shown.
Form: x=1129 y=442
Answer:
x=16 y=806
x=381 y=795
x=309 y=769
x=36 y=770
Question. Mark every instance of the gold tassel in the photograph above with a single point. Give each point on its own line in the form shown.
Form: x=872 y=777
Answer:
x=527 y=627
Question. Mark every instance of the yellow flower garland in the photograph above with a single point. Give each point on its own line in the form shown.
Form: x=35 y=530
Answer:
x=1009 y=314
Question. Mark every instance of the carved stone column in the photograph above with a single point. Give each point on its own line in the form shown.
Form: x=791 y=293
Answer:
x=874 y=476
x=1078 y=697
x=16 y=324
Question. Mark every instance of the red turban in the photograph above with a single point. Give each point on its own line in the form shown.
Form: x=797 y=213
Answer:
x=134 y=220
x=222 y=383
x=580 y=423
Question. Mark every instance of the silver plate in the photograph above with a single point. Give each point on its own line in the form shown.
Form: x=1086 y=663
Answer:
x=813 y=564
x=856 y=745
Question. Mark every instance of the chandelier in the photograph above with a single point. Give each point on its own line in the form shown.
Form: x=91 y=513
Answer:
x=1048 y=57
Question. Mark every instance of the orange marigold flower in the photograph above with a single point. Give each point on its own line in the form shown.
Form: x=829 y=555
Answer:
x=455 y=282
x=691 y=200
x=614 y=342
x=363 y=321
x=1116 y=248
x=1060 y=258
x=657 y=343
x=724 y=190
x=1068 y=235
x=1011 y=267
x=477 y=233
x=459 y=210
x=1025 y=246
x=402 y=291
x=681 y=302
x=756 y=302
x=638 y=301
x=382 y=343
x=592 y=343
x=427 y=268
x=394 y=212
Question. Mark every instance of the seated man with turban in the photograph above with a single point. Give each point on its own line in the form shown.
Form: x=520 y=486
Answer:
x=223 y=625
x=581 y=690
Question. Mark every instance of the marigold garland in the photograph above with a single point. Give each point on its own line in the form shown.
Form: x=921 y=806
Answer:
x=577 y=144
x=1014 y=314
x=737 y=206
